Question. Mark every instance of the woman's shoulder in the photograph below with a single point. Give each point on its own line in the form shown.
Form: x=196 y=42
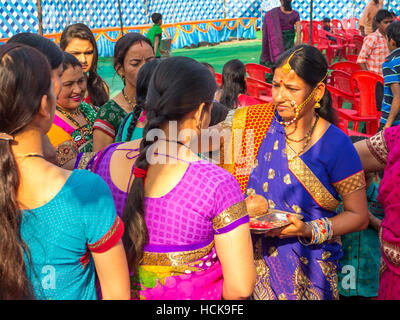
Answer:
x=110 y=105
x=87 y=180
x=214 y=174
x=336 y=136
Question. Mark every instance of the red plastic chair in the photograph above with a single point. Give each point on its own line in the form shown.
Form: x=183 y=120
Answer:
x=341 y=80
x=305 y=28
x=338 y=97
x=365 y=83
x=346 y=66
x=218 y=79
x=358 y=42
x=257 y=71
x=259 y=89
x=352 y=58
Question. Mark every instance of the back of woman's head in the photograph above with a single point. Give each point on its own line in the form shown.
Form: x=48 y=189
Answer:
x=24 y=79
x=45 y=46
x=124 y=43
x=233 y=83
x=177 y=88
x=96 y=85
x=311 y=66
x=70 y=61
x=142 y=84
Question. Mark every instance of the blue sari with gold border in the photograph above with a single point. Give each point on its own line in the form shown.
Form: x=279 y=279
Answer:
x=310 y=185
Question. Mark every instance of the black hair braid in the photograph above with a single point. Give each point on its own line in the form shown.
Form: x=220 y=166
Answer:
x=135 y=117
x=136 y=234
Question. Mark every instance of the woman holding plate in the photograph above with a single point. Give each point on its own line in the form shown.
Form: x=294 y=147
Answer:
x=293 y=155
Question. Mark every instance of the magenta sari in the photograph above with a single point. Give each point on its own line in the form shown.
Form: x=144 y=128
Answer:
x=385 y=146
x=180 y=261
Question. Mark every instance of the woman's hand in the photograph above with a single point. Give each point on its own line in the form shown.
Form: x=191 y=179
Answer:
x=294 y=229
x=256 y=205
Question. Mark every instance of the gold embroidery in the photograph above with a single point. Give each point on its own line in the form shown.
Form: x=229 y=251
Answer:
x=66 y=151
x=250 y=192
x=276 y=145
x=262 y=289
x=391 y=251
x=175 y=258
x=312 y=184
x=255 y=165
x=304 y=260
x=230 y=215
x=271 y=174
x=273 y=251
x=286 y=179
x=303 y=289
x=377 y=146
x=296 y=209
x=326 y=255
x=350 y=184
x=330 y=273
x=282 y=296
x=265 y=187
x=236 y=121
x=86 y=157
x=271 y=204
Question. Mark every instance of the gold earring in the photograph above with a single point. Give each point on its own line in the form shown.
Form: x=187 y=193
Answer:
x=317 y=105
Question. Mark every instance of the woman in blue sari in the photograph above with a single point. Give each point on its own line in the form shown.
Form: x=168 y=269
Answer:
x=302 y=164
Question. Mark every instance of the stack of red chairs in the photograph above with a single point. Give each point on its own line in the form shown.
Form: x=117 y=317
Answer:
x=364 y=84
x=258 y=89
x=352 y=58
x=358 y=42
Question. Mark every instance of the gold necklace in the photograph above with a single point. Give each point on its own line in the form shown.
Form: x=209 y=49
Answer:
x=131 y=103
x=308 y=139
x=74 y=121
x=306 y=136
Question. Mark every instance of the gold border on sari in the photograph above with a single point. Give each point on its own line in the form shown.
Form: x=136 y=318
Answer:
x=303 y=288
x=351 y=184
x=235 y=121
x=85 y=158
x=230 y=215
x=311 y=183
x=175 y=258
x=378 y=148
x=391 y=251
x=262 y=289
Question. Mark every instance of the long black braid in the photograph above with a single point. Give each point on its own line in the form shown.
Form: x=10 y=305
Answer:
x=179 y=85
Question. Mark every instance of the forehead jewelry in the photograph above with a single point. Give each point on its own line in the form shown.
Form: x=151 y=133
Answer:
x=286 y=67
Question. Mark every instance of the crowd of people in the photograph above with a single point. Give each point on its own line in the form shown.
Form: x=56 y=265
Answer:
x=132 y=197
